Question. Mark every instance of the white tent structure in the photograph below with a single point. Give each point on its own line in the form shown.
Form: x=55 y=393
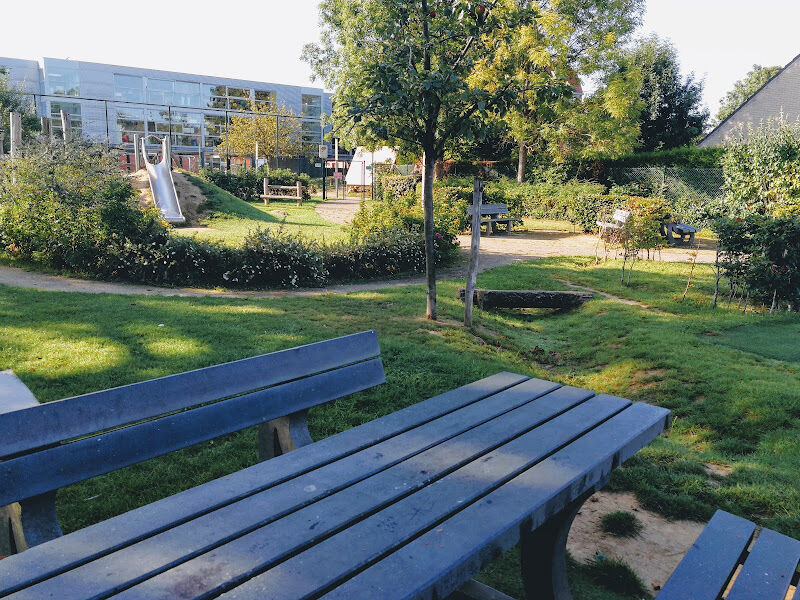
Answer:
x=360 y=171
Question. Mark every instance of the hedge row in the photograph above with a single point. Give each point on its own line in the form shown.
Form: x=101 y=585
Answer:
x=70 y=208
x=249 y=184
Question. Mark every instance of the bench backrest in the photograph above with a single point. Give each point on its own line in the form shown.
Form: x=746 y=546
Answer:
x=621 y=216
x=51 y=445
x=494 y=209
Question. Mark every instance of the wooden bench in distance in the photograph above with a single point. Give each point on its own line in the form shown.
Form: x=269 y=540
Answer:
x=270 y=192
x=527 y=298
x=492 y=213
x=45 y=447
x=724 y=556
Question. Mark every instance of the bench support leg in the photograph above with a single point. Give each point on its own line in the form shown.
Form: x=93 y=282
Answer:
x=544 y=555
x=283 y=435
x=28 y=523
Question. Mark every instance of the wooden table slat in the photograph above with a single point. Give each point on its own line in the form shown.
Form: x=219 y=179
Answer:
x=453 y=551
x=707 y=567
x=267 y=545
x=174 y=545
x=767 y=573
x=84 y=545
x=338 y=557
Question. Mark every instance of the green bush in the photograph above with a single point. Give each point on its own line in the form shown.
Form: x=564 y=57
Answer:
x=762 y=170
x=688 y=156
x=393 y=186
x=760 y=257
x=541 y=200
x=70 y=208
x=249 y=184
x=65 y=205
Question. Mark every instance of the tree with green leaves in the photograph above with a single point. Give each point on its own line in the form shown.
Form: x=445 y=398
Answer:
x=744 y=89
x=247 y=130
x=422 y=75
x=12 y=100
x=577 y=40
x=673 y=115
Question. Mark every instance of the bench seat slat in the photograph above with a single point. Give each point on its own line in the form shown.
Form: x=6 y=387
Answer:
x=769 y=568
x=61 y=420
x=282 y=536
x=63 y=553
x=313 y=571
x=451 y=552
x=707 y=567
x=33 y=474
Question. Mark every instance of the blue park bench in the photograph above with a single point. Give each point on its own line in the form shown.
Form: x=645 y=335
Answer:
x=493 y=214
x=411 y=505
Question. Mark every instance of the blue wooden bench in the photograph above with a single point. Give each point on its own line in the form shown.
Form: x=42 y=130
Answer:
x=493 y=214
x=726 y=557
x=411 y=505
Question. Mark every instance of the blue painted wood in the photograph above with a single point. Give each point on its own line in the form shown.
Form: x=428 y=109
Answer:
x=326 y=563
x=767 y=573
x=452 y=551
x=705 y=571
x=149 y=556
x=84 y=545
x=53 y=468
x=61 y=420
x=249 y=554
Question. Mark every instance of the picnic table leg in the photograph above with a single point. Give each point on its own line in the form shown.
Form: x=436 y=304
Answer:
x=544 y=555
x=283 y=435
x=28 y=523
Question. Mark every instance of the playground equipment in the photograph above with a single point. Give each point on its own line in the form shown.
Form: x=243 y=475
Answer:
x=161 y=184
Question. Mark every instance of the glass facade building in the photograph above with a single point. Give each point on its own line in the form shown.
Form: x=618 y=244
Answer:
x=115 y=102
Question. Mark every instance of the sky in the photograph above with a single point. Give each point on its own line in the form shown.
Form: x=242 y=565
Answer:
x=719 y=40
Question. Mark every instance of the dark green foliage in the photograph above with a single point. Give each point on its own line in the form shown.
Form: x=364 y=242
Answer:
x=248 y=184
x=760 y=257
x=392 y=186
x=621 y=523
x=616 y=576
x=688 y=156
x=744 y=89
x=673 y=115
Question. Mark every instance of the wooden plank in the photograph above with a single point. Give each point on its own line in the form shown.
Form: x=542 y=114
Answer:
x=252 y=553
x=704 y=572
x=33 y=474
x=73 y=417
x=768 y=571
x=199 y=535
x=96 y=540
x=527 y=298
x=452 y=551
x=313 y=571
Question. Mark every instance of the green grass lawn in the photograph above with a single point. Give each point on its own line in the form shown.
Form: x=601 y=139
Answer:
x=230 y=219
x=733 y=408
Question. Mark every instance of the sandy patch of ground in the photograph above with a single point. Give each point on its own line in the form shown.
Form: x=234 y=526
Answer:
x=339 y=210
x=189 y=195
x=653 y=555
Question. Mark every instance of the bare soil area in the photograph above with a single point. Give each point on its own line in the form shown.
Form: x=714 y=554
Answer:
x=189 y=195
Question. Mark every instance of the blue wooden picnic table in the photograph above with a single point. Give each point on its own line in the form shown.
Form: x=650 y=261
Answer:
x=411 y=505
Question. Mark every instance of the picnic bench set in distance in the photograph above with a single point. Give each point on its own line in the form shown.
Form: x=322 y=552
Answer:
x=409 y=506
x=279 y=192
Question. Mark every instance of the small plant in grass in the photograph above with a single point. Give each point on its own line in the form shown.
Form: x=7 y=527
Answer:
x=621 y=523
x=615 y=575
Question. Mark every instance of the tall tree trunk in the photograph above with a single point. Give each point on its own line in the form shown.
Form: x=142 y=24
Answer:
x=438 y=170
x=427 y=205
x=523 y=162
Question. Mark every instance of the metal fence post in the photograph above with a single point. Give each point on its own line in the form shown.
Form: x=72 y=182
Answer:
x=15 y=124
x=66 y=125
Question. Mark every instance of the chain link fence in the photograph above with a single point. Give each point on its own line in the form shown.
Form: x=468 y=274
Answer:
x=672 y=183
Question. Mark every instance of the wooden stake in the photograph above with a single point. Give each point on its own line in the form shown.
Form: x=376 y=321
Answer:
x=66 y=125
x=15 y=123
x=474 y=250
x=45 y=121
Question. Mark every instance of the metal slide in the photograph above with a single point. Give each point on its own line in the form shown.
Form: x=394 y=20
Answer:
x=162 y=186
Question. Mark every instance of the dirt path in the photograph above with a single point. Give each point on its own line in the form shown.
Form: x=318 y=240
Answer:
x=339 y=210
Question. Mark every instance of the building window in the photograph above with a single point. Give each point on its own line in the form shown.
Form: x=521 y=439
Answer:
x=187 y=94
x=186 y=128
x=63 y=81
x=266 y=99
x=128 y=87
x=238 y=98
x=215 y=96
x=312 y=134
x=159 y=91
x=74 y=111
x=130 y=121
x=214 y=126
x=312 y=106
x=158 y=121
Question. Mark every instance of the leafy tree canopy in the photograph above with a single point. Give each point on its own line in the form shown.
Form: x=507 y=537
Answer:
x=245 y=131
x=673 y=115
x=744 y=89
